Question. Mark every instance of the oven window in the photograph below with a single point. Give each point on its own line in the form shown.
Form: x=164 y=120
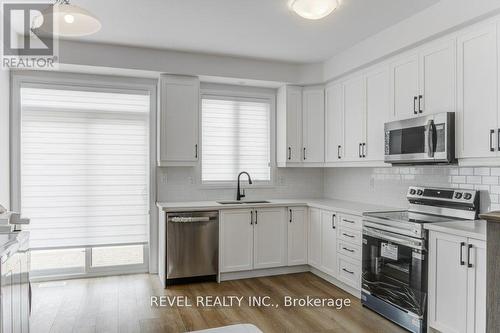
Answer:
x=394 y=273
x=407 y=141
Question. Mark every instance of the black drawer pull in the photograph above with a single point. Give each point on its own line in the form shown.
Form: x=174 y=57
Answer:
x=462 y=262
x=347 y=235
x=468 y=256
x=345 y=270
x=349 y=221
x=345 y=248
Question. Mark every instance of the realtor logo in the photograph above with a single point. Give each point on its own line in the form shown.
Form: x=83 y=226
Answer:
x=28 y=36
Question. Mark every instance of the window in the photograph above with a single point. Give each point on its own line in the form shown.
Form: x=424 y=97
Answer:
x=84 y=174
x=235 y=137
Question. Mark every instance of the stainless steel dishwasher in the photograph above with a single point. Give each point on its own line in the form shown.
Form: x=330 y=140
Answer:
x=192 y=249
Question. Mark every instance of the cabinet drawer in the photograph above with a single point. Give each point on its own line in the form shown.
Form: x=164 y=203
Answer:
x=349 y=272
x=350 y=236
x=351 y=221
x=349 y=250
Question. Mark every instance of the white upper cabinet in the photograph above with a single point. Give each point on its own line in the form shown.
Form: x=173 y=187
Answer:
x=269 y=238
x=289 y=125
x=477 y=115
x=377 y=112
x=297 y=236
x=354 y=112
x=334 y=123
x=438 y=77
x=313 y=124
x=179 y=120
x=404 y=87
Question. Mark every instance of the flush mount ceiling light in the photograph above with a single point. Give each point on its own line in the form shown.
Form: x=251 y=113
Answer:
x=313 y=9
x=69 y=20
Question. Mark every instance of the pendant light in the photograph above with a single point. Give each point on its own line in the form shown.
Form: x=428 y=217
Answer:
x=313 y=9
x=69 y=20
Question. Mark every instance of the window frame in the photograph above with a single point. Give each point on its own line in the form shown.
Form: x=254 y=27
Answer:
x=236 y=92
x=98 y=83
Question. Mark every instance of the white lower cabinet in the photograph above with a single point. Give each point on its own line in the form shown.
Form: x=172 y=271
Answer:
x=297 y=236
x=252 y=239
x=329 y=242
x=457 y=283
x=314 y=238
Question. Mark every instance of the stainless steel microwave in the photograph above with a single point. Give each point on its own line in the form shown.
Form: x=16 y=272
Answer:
x=421 y=140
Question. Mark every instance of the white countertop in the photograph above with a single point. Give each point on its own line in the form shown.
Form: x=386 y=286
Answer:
x=473 y=229
x=341 y=206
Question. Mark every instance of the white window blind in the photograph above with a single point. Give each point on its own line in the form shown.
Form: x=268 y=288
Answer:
x=84 y=167
x=235 y=137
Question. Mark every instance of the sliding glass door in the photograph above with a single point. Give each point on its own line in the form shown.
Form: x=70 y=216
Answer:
x=84 y=178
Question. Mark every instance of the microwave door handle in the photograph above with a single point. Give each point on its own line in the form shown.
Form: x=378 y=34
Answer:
x=431 y=138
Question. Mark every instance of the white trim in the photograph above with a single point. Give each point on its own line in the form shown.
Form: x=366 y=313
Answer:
x=263 y=272
x=89 y=82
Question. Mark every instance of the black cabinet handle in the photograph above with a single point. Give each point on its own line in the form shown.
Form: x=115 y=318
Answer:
x=289 y=153
x=333 y=221
x=196 y=151
x=347 y=235
x=468 y=256
x=415 y=105
x=345 y=270
x=349 y=221
x=420 y=103
x=462 y=262
x=305 y=154
x=251 y=217
x=290 y=216
x=359 y=151
x=255 y=217
x=338 y=152
x=364 y=149
x=349 y=250
x=498 y=138
x=492 y=132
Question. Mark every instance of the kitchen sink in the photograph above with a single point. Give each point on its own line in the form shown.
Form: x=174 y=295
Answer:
x=234 y=202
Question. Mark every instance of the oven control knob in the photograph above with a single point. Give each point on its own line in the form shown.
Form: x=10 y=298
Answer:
x=420 y=192
x=413 y=191
x=467 y=196
x=458 y=195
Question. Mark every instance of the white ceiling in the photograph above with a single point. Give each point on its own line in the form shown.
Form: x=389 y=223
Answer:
x=250 y=28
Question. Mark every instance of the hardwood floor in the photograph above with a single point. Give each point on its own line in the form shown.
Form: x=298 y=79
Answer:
x=122 y=304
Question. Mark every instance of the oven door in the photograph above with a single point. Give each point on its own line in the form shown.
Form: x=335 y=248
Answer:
x=394 y=270
x=427 y=139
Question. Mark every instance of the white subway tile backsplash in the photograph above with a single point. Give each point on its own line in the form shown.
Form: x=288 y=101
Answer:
x=495 y=189
x=466 y=171
x=474 y=180
x=495 y=171
x=482 y=171
x=458 y=179
x=490 y=180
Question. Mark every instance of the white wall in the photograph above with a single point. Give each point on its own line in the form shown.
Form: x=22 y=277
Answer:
x=4 y=138
x=388 y=186
x=179 y=184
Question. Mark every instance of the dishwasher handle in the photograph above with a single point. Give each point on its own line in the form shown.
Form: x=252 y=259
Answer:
x=182 y=219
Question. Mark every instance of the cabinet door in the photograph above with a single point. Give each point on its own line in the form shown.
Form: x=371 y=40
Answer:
x=377 y=112
x=314 y=241
x=354 y=110
x=329 y=242
x=289 y=125
x=236 y=240
x=404 y=87
x=477 y=93
x=447 y=282
x=476 y=280
x=269 y=238
x=438 y=77
x=297 y=236
x=179 y=117
x=334 y=120
x=313 y=117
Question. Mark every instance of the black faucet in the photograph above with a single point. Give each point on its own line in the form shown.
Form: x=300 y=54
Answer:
x=239 y=194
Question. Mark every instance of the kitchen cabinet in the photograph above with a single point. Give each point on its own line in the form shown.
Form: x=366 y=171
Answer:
x=289 y=129
x=457 y=283
x=424 y=81
x=297 y=236
x=349 y=238
x=377 y=113
x=329 y=226
x=269 y=238
x=314 y=238
x=477 y=116
x=334 y=123
x=178 y=120
x=354 y=111
x=252 y=239
x=313 y=124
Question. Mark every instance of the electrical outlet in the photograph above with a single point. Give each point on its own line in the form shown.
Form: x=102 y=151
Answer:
x=163 y=179
x=190 y=180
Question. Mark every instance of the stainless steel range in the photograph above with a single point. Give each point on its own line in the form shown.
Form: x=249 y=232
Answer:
x=394 y=281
